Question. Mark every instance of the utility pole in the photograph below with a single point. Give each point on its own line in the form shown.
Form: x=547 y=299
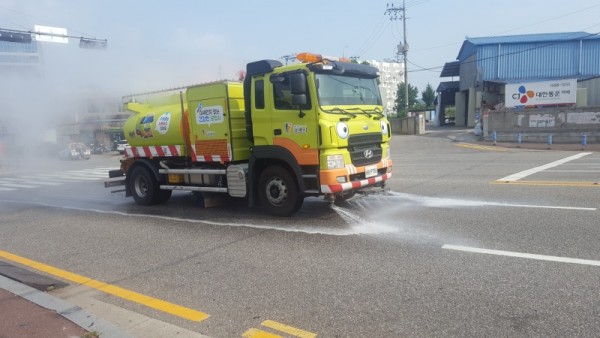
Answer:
x=396 y=13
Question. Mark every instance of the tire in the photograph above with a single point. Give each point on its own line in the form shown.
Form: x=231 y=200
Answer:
x=143 y=186
x=278 y=192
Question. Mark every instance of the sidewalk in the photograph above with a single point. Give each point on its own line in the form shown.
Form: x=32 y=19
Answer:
x=69 y=311
x=22 y=318
x=28 y=312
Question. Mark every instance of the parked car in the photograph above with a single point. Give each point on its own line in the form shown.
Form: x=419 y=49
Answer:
x=75 y=151
x=121 y=145
x=97 y=148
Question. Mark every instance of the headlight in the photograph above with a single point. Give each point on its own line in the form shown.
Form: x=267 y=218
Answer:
x=342 y=130
x=384 y=127
x=335 y=162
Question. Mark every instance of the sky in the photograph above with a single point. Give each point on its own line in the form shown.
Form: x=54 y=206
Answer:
x=156 y=45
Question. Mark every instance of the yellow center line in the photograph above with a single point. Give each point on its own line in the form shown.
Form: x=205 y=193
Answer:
x=549 y=183
x=133 y=296
x=256 y=333
x=478 y=147
x=288 y=329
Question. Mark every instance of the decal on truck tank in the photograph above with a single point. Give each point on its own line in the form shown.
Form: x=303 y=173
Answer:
x=162 y=125
x=144 y=127
x=209 y=115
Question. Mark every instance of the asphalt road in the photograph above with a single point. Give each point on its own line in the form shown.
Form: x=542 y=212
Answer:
x=466 y=241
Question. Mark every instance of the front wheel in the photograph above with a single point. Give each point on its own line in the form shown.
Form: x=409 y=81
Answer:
x=278 y=192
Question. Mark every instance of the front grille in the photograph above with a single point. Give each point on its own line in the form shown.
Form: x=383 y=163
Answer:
x=361 y=176
x=365 y=149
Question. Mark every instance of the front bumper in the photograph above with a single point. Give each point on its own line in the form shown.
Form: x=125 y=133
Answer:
x=355 y=177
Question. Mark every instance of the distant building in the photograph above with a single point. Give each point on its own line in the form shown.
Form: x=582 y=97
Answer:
x=20 y=59
x=390 y=76
x=17 y=61
x=534 y=70
x=98 y=120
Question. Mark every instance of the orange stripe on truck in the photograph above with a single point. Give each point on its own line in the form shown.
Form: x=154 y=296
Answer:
x=304 y=156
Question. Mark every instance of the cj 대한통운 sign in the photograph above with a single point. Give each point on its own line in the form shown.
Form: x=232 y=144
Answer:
x=558 y=92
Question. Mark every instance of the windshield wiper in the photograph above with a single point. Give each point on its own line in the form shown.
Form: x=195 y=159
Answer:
x=361 y=110
x=376 y=111
x=338 y=110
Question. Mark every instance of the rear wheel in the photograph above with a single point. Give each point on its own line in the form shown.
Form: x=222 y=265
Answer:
x=143 y=186
x=278 y=192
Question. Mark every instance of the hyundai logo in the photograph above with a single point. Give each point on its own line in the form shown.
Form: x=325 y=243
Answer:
x=368 y=153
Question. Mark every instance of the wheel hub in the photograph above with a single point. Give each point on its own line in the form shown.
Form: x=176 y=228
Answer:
x=141 y=186
x=276 y=191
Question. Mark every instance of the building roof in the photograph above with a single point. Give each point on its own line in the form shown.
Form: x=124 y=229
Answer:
x=451 y=69
x=468 y=47
x=447 y=86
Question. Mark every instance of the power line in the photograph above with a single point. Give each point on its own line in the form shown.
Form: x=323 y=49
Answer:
x=517 y=28
x=422 y=69
x=379 y=29
x=549 y=19
x=372 y=37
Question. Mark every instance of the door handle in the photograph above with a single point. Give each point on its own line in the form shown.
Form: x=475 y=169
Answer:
x=277 y=132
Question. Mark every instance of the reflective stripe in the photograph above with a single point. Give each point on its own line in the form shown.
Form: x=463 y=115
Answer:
x=335 y=188
x=154 y=151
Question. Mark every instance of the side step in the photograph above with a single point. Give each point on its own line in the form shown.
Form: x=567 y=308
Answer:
x=192 y=188
x=114 y=182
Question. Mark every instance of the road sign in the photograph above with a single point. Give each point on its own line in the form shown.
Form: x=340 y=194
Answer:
x=51 y=34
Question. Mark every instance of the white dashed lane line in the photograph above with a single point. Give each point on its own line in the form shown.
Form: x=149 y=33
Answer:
x=522 y=255
x=528 y=172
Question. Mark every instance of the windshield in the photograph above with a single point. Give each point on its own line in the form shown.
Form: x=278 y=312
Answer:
x=335 y=90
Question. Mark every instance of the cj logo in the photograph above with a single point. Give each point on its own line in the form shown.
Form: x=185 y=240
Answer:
x=523 y=95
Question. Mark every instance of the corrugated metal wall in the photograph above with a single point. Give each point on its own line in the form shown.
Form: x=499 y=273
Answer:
x=592 y=86
x=538 y=61
x=591 y=57
x=468 y=73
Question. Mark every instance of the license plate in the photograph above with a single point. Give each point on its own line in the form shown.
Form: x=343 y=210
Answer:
x=370 y=171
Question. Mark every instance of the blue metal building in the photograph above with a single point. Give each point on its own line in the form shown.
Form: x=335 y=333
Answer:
x=484 y=65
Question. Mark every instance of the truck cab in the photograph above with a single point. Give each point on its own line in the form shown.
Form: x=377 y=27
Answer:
x=321 y=122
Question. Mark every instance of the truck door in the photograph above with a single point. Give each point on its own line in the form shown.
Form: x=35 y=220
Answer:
x=294 y=121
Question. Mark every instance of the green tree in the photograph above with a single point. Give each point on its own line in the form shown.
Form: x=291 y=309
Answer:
x=428 y=96
x=413 y=92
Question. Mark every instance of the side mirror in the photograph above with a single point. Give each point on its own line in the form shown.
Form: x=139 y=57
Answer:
x=299 y=99
x=298 y=84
